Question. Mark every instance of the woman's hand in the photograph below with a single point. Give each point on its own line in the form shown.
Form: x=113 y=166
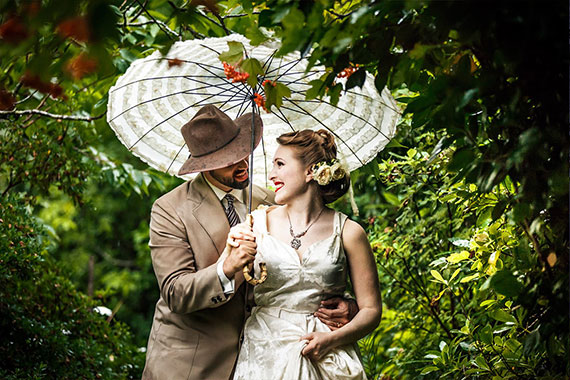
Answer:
x=241 y=247
x=320 y=343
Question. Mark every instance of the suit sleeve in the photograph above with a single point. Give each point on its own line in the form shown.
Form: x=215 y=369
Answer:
x=182 y=287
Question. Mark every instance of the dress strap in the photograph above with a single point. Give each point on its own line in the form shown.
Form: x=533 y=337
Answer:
x=339 y=220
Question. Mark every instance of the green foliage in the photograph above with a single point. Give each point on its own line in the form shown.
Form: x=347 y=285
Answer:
x=274 y=93
x=49 y=329
x=467 y=209
x=253 y=67
x=462 y=68
x=465 y=287
x=470 y=224
x=235 y=53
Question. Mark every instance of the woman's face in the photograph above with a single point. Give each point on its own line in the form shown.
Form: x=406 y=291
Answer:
x=289 y=174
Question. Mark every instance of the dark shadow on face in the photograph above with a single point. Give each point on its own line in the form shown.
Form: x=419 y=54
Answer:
x=235 y=176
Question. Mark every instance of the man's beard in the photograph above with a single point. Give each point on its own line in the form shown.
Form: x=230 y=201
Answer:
x=230 y=181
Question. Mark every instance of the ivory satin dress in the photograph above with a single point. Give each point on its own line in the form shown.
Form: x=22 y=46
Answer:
x=286 y=302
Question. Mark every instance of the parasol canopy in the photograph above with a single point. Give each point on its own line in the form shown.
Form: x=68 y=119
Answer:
x=159 y=94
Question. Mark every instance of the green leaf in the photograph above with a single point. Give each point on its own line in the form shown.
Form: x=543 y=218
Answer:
x=253 y=67
x=294 y=19
x=461 y=159
x=486 y=334
x=356 y=79
x=380 y=81
x=437 y=276
x=429 y=369
x=498 y=341
x=502 y=316
x=317 y=89
x=411 y=153
x=128 y=55
x=513 y=344
x=455 y=258
x=334 y=93
x=394 y=143
x=247 y=5
x=484 y=216
x=274 y=94
x=481 y=363
x=469 y=278
x=234 y=54
x=255 y=35
x=521 y=211
x=505 y=283
x=466 y=98
x=498 y=209
x=166 y=47
x=454 y=274
x=419 y=51
x=391 y=198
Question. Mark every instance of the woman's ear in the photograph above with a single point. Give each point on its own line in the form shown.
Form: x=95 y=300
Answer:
x=309 y=174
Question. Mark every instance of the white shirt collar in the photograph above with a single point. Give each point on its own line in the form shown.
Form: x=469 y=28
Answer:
x=237 y=193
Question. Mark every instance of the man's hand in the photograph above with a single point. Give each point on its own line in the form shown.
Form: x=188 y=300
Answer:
x=336 y=312
x=242 y=249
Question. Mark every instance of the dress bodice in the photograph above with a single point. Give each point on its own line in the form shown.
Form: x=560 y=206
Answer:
x=294 y=284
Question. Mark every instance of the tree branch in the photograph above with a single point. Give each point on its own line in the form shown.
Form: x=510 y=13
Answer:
x=240 y=15
x=160 y=24
x=50 y=115
x=422 y=290
x=223 y=26
x=337 y=15
x=221 y=20
x=140 y=11
x=157 y=22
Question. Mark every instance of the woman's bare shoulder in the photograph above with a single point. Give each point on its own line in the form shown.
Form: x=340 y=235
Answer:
x=353 y=233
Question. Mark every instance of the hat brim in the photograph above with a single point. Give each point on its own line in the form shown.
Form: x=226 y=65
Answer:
x=235 y=151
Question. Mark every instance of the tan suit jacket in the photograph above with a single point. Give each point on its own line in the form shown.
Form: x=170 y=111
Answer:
x=195 y=331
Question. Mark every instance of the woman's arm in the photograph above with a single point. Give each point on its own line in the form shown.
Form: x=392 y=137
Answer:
x=364 y=279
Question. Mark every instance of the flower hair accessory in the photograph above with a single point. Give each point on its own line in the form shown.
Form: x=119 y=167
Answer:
x=325 y=172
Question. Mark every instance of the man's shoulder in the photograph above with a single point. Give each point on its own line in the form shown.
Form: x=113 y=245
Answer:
x=264 y=194
x=177 y=194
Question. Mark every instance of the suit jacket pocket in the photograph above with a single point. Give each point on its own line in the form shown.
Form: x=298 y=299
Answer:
x=172 y=355
x=176 y=338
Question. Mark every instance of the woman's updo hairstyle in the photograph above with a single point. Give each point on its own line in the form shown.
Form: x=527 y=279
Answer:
x=317 y=147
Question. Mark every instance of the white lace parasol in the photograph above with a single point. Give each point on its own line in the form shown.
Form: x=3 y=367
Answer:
x=159 y=94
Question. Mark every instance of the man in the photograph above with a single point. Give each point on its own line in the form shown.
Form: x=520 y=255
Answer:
x=202 y=307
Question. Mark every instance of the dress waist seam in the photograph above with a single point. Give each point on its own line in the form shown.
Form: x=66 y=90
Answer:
x=277 y=311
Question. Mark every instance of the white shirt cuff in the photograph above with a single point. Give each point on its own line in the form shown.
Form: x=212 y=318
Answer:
x=227 y=284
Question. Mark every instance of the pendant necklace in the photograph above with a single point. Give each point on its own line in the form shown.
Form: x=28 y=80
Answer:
x=296 y=242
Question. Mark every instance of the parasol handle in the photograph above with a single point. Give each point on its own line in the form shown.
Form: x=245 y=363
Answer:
x=262 y=266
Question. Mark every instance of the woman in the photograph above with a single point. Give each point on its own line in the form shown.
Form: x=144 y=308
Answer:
x=308 y=249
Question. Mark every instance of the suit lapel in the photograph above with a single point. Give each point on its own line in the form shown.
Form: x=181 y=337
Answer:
x=259 y=197
x=210 y=213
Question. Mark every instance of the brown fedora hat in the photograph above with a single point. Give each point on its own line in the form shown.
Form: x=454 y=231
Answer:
x=216 y=141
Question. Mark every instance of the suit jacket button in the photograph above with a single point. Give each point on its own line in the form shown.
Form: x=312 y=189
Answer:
x=219 y=299
x=214 y=300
